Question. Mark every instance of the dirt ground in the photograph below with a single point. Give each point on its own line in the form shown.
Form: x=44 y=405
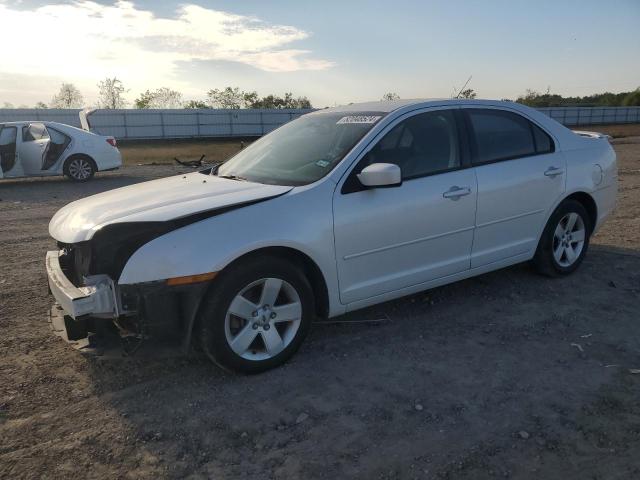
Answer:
x=507 y=375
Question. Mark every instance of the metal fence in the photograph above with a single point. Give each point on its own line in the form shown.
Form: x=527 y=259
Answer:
x=158 y=124
x=60 y=115
x=574 y=116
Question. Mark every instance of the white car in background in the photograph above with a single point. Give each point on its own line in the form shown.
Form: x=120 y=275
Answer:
x=337 y=210
x=36 y=149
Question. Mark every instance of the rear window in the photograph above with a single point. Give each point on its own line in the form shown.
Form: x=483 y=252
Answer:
x=500 y=135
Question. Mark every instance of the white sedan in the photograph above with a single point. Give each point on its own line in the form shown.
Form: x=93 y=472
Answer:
x=36 y=149
x=338 y=210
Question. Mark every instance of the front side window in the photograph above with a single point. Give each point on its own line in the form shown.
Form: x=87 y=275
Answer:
x=7 y=135
x=421 y=145
x=302 y=151
x=500 y=135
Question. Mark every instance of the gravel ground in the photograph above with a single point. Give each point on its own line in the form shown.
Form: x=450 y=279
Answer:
x=508 y=375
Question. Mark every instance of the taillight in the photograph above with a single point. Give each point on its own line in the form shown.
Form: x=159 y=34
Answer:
x=112 y=142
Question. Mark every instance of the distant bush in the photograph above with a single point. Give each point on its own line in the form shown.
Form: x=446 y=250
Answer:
x=606 y=99
x=632 y=99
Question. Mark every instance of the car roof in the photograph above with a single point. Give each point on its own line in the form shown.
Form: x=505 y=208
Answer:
x=57 y=125
x=389 y=106
x=25 y=122
x=394 y=108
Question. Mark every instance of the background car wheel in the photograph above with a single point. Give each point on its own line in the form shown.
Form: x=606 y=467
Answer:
x=564 y=241
x=80 y=168
x=256 y=315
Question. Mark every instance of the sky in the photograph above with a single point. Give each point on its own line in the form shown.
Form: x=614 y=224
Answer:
x=333 y=52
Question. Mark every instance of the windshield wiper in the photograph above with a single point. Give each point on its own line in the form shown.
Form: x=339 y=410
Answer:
x=234 y=177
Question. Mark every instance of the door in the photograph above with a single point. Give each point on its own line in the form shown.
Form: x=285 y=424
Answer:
x=387 y=239
x=58 y=143
x=33 y=148
x=8 y=140
x=520 y=177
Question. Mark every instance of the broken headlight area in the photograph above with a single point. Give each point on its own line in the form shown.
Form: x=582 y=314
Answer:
x=109 y=250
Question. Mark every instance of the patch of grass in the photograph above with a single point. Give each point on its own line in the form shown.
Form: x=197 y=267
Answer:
x=163 y=151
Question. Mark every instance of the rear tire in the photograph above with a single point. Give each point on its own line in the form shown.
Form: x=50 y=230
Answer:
x=564 y=241
x=256 y=315
x=80 y=168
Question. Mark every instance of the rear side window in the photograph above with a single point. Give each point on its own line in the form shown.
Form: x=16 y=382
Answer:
x=500 y=135
x=544 y=144
x=35 y=131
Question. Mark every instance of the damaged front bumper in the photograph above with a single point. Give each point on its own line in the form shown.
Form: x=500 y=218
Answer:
x=97 y=298
x=98 y=317
x=79 y=314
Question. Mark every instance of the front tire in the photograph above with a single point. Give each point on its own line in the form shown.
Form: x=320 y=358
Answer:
x=565 y=240
x=80 y=168
x=256 y=315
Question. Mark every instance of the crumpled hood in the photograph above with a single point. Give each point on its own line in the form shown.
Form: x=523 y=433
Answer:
x=154 y=201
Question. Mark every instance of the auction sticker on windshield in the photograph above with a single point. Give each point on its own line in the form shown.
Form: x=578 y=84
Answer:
x=359 y=119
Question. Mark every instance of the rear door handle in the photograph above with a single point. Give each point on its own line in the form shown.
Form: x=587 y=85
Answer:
x=553 y=172
x=455 y=192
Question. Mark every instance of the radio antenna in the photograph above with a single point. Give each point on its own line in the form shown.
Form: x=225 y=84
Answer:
x=465 y=84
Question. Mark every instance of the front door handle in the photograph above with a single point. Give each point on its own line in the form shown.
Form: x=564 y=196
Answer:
x=553 y=172
x=455 y=192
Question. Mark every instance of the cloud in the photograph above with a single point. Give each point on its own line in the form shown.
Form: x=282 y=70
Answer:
x=86 y=40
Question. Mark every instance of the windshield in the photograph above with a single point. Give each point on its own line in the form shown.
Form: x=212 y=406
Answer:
x=301 y=151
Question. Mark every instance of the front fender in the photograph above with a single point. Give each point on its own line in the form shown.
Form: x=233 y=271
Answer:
x=301 y=220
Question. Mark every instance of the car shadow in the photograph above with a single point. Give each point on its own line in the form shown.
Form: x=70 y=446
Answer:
x=443 y=381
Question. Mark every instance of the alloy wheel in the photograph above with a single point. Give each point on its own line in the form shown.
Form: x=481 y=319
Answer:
x=568 y=239
x=263 y=319
x=80 y=169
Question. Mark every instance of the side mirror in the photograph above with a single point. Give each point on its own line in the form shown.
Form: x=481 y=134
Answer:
x=381 y=175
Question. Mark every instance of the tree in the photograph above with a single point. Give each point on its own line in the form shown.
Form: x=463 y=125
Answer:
x=249 y=99
x=468 y=93
x=143 y=100
x=161 y=98
x=390 y=96
x=111 y=91
x=274 y=101
x=536 y=99
x=67 y=97
x=196 y=104
x=7 y=105
x=268 y=101
x=302 y=102
x=231 y=98
x=632 y=99
x=234 y=98
x=41 y=105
